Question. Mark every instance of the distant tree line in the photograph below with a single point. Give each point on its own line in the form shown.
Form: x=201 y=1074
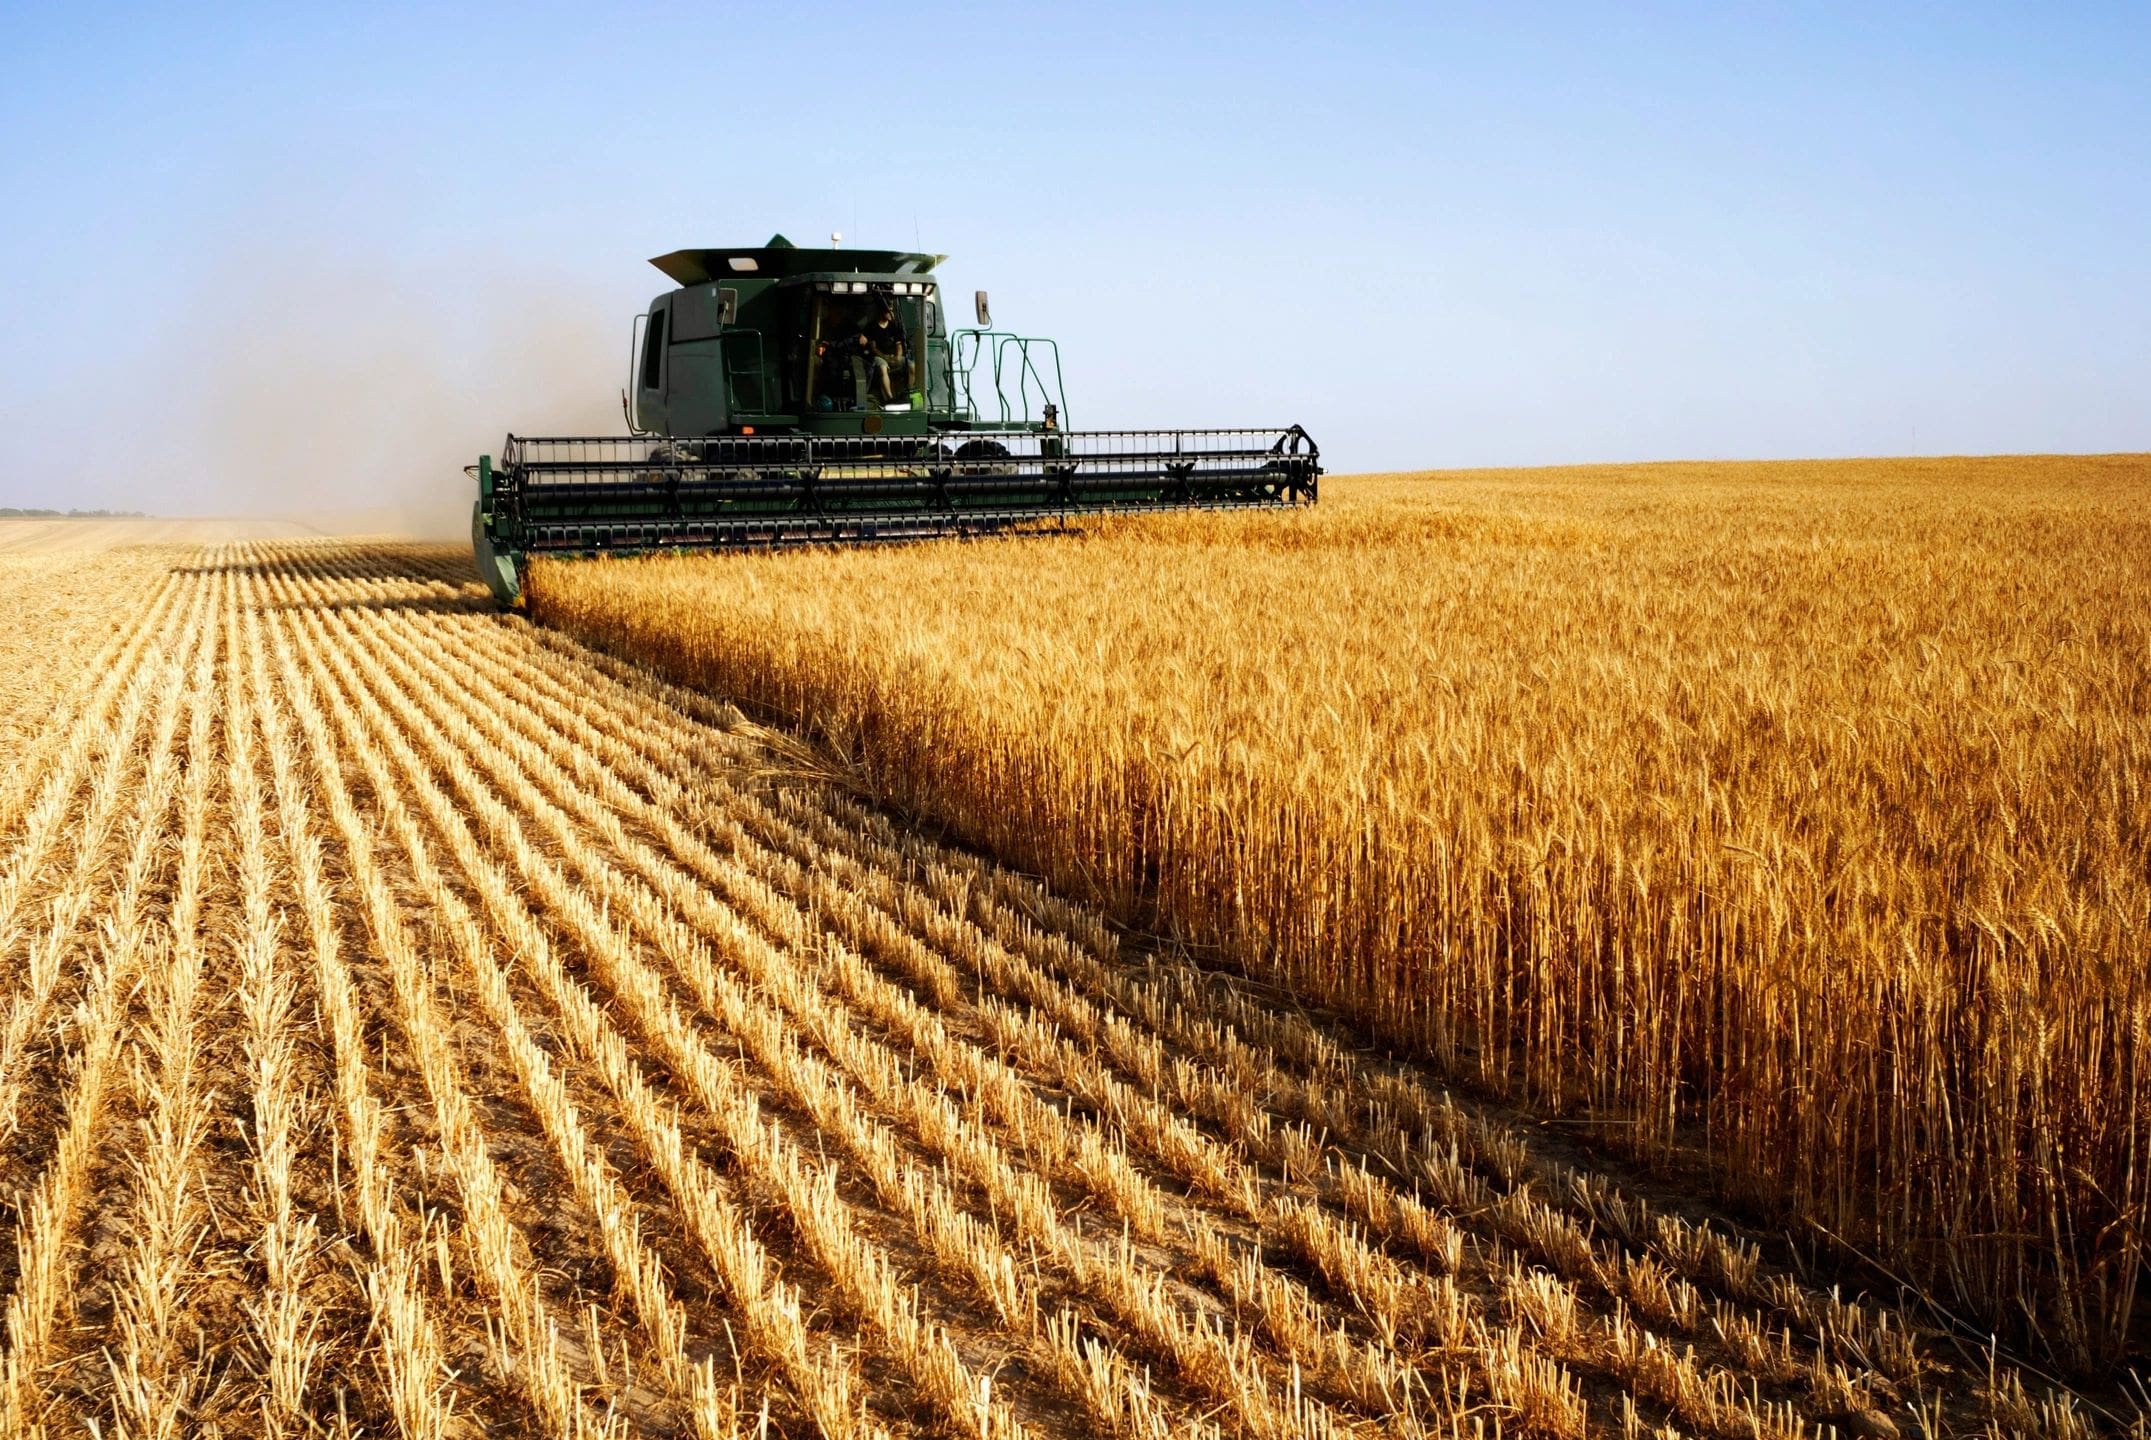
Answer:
x=12 y=512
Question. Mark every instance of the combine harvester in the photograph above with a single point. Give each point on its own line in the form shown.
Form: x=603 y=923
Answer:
x=788 y=396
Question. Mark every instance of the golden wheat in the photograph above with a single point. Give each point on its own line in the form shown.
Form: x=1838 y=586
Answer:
x=414 y=1023
x=1786 y=816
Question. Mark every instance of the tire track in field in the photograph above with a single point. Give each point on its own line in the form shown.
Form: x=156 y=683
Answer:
x=520 y=1044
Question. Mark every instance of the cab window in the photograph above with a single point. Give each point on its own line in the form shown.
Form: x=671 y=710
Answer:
x=840 y=369
x=653 y=347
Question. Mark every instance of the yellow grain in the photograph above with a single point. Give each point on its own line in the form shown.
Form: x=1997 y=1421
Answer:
x=1790 y=809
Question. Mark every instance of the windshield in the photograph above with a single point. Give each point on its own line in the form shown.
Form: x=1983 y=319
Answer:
x=864 y=349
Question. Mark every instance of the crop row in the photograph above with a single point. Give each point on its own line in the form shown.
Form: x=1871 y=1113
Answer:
x=415 y=1024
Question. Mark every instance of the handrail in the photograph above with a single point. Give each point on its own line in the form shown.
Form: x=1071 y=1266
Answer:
x=1027 y=373
x=968 y=347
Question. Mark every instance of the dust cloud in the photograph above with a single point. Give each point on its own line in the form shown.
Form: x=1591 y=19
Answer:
x=349 y=396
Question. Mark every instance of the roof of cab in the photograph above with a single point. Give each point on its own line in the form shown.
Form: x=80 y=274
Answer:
x=780 y=258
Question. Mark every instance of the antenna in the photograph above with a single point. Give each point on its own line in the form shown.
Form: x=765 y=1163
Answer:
x=836 y=241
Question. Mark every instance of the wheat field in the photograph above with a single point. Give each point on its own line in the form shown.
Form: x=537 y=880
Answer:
x=1783 y=822
x=413 y=1023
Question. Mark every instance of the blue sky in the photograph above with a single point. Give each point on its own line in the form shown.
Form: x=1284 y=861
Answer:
x=258 y=257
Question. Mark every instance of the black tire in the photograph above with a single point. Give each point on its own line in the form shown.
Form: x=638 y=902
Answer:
x=983 y=457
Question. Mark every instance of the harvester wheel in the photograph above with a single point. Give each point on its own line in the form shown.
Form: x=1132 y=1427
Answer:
x=665 y=461
x=983 y=457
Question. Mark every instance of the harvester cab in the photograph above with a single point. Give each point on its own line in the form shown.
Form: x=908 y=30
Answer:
x=783 y=395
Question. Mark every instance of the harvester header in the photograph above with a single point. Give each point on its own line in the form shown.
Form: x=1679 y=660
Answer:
x=784 y=395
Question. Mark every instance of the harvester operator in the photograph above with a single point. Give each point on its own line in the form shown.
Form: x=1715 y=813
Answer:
x=883 y=348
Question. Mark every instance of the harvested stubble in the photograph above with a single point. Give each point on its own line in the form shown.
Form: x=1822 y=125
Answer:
x=1790 y=818
x=413 y=1023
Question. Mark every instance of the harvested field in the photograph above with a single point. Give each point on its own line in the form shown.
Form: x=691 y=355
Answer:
x=1787 y=822
x=48 y=535
x=413 y=1023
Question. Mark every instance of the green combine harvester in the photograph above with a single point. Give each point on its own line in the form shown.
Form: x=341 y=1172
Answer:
x=787 y=396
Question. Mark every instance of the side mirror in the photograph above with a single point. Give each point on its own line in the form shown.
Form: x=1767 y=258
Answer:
x=985 y=312
x=727 y=305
